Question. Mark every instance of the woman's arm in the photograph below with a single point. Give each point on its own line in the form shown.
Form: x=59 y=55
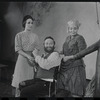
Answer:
x=81 y=43
x=37 y=42
x=87 y=51
x=84 y=52
x=18 y=47
x=21 y=52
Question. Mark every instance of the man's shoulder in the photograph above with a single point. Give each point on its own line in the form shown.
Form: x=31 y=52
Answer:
x=55 y=53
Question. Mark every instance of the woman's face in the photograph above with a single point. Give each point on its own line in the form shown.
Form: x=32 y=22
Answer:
x=72 y=30
x=29 y=24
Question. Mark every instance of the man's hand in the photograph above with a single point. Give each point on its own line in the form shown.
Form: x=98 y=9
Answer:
x=35 y=52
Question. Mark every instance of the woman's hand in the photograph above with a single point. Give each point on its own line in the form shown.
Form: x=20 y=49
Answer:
x=65 y=58
x=31 y=59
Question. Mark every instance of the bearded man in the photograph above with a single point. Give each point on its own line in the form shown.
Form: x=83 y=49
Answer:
x=43 y=82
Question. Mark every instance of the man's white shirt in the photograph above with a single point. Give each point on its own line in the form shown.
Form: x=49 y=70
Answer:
x=53 y=60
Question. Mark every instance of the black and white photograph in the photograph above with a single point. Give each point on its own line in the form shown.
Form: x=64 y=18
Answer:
x=49 y=49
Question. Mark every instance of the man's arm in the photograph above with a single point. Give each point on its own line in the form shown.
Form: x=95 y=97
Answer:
x=52 y=61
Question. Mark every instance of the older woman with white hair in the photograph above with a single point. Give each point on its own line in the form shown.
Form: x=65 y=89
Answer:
x=72 y=76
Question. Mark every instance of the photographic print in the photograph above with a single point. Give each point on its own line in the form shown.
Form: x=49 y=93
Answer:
x=49 y=49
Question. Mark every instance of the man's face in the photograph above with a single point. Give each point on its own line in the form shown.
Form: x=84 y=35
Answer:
x=49 y=45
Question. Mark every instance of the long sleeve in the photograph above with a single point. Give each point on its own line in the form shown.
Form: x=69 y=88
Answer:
x=88 y=50
x=37 y=42
x=81 y=43
x=52 y=61
x=18 y=43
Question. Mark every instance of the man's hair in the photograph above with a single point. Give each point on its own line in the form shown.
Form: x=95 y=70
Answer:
x=49 y=37
x=25 y=19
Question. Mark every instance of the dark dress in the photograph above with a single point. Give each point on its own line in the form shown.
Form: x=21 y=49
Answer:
x=72 y=76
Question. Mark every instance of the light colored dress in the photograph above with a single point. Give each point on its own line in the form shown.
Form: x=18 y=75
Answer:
x=24 y=69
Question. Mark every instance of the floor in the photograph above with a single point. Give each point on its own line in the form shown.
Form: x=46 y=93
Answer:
x=5 y=89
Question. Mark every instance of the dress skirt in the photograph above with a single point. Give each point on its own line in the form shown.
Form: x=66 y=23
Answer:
x=73 y=80
x=90 y=88
x=23 y=71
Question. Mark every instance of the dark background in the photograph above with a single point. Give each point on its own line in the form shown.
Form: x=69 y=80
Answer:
x=5 y=39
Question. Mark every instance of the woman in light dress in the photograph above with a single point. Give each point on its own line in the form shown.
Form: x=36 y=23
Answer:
x=25 y=42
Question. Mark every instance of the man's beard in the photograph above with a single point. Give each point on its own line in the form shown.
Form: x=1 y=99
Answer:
x=49 y=51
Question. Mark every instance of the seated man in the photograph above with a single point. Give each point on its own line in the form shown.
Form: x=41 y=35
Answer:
x=43 y=82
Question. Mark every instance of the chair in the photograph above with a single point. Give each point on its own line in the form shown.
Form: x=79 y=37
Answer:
x=30 y=82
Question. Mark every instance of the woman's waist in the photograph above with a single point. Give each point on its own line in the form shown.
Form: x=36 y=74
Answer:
x=70 y=53
x=28 y=52
x=67 y=66
x=73 y=62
